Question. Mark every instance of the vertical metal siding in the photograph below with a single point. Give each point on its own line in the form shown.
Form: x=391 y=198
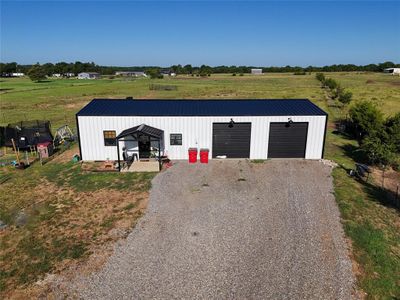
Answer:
x=196 y=132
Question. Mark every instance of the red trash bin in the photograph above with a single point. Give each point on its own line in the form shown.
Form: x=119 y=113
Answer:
x=192 y=155
x=204 y=156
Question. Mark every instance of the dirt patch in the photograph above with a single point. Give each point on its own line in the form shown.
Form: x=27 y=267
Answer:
x=369 y=81
x=388 y=179
x=395 y=83
x=75 y=105
x=94 y=219
x=67 y=155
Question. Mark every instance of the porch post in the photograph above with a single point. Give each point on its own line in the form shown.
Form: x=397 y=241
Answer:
x=159 y=154
x=119 y=163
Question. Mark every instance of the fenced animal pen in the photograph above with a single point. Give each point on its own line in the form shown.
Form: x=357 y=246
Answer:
x=26 y=134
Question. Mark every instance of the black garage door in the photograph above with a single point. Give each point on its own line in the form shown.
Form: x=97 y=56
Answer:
x=231 y=140
x=287 y=141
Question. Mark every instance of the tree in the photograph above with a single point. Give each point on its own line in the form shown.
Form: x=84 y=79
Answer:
x=378 y=149
x=8 y=68
x=37 y=73
x=154 y=73
x=205 y=70
x=366 y=119
x=48 y=68
x=188 y=69
x=392 y=125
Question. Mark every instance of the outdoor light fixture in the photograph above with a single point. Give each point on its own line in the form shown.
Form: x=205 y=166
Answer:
x=289 y=122
x=231 y=123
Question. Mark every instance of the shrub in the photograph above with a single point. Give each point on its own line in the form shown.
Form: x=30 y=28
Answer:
x=240 y=74
x=345 y=97
x=234 y=74
x=299 y=73
x=330 y=83
x=320 y=77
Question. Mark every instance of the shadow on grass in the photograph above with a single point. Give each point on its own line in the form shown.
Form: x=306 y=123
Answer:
x=353 y=152
x=384 y=196
x=42 y=81
x=378 y=194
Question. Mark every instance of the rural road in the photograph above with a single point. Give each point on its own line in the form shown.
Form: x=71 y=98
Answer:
x=232 y=230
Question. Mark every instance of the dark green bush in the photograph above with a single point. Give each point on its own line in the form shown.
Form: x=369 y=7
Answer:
x=366 y=118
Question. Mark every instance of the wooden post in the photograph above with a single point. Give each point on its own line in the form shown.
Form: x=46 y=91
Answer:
x=27 y=158
x=40 y=158
x=159 y=154
x=119 y=163
x=15 y=150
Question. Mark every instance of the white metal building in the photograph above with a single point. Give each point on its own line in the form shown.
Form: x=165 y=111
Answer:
x=88 y=75
x=393 y=71
x=256 y=71
x=255 y=129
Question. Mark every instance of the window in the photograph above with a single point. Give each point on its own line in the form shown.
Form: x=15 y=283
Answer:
x=110 y=138
x=175 y=139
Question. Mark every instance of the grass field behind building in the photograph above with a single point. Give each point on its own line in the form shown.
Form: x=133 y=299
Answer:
x=372 y=226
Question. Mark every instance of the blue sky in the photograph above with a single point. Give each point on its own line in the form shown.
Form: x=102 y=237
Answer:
x=258 y=33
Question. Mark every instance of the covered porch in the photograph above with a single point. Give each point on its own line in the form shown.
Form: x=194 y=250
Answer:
x=142 y=149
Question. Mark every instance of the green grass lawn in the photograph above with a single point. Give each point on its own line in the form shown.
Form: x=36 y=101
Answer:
x=373 y=227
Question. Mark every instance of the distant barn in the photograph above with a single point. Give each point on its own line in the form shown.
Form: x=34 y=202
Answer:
x=256 y=71
x=393 y=71
x=88 y=75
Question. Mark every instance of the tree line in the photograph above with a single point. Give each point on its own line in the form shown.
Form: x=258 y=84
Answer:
x=203 y=70
x=336 y=91
x=378 y=137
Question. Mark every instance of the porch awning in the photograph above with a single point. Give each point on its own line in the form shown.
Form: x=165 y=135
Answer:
x=141 y=129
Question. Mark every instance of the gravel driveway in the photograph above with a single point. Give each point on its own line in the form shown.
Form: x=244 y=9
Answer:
x=232 y=230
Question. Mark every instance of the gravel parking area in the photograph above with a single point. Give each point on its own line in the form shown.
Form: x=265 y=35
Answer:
x=232 y=230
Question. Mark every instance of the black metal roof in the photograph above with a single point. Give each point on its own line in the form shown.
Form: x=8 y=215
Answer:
x=206 y=107
x=144 y=129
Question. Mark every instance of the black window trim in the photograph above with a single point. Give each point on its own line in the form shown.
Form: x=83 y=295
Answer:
x=175 y=139
x=115 y=139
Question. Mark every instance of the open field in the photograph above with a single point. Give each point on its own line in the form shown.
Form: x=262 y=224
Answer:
x=372 y=226
x=59 y=99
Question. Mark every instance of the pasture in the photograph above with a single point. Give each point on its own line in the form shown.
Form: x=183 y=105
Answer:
x=372 y=226
x=59 y=99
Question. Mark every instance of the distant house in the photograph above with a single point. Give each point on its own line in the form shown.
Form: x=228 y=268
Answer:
x=131 y=73
x=17 y=74
x=256 y=71
x=88 y=75
x=167 y=72
x=69 y=74
x=59 y=75
x=393 y=71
